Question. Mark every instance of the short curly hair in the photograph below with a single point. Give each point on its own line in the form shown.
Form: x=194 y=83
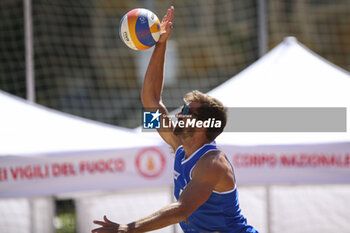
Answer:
x=210 y=108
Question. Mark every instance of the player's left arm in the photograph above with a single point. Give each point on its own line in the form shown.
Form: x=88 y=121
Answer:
x=205 y=177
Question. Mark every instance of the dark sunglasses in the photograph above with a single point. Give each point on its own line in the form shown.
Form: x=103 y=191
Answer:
x=186 y=111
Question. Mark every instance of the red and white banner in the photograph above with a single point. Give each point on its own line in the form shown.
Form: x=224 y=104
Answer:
x=150 y=167
x=109 y=170
x=291 y=164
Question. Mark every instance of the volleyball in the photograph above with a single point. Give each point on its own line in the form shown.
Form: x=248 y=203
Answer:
x=139 y=29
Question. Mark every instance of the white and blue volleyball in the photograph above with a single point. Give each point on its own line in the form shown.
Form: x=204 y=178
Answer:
x=139 y=29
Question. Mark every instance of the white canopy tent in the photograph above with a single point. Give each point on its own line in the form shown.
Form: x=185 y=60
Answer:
x=290 y=75
x=31 y=129
x=45 y=152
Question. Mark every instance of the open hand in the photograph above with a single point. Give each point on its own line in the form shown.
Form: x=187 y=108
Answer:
x=166 y=25
x=108 y=226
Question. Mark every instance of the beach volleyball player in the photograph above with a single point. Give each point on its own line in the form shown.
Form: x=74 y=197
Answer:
x=205 y=186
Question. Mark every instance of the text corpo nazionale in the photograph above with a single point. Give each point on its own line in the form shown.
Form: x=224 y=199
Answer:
x=301 y=160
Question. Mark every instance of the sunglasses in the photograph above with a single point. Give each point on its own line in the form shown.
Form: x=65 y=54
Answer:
x=186 y=111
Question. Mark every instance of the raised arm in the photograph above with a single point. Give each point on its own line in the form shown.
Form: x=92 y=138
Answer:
x=151 y=95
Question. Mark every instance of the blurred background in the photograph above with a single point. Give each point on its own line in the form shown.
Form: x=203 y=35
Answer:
x=82 y=67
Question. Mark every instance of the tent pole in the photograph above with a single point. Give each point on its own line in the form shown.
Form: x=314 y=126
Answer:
x=268 y=208
x=32 y=215
x=262 y=27
x=42 y=213
x=29 y=58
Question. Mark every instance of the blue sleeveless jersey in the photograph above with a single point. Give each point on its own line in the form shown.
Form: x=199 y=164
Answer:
x=221 y=212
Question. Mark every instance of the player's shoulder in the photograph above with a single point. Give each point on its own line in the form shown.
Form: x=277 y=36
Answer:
x=210 y=166
x=214 y=155
x=212 y=159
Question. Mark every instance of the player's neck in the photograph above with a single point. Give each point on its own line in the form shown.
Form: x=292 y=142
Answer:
x=192 y=144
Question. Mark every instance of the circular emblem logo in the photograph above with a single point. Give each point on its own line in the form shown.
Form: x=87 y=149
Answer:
x=150 y=162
